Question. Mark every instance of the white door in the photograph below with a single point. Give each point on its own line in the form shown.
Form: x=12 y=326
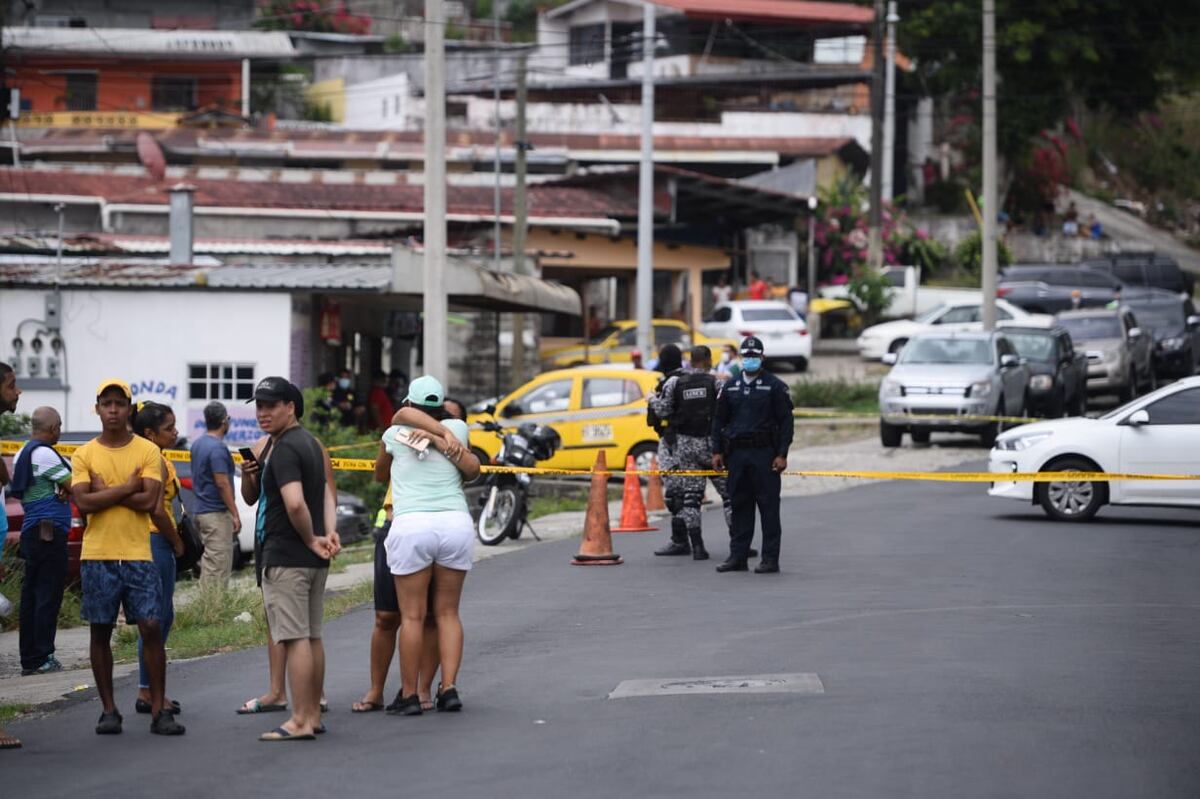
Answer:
x=1169 y=444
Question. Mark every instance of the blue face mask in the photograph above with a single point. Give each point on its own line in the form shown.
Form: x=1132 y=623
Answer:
x=344 y=383
x=751 y=364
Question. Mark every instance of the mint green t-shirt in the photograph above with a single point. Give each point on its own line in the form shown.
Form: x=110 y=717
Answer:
x=425 y=486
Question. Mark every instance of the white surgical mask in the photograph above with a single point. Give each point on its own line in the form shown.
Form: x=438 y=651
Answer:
x=343 y=383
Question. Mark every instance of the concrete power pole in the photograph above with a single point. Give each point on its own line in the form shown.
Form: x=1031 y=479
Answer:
x=889 y=106
x=519 y=221
x=645 y=235
x=436 y=306
x=990 y=198
x=875 y=218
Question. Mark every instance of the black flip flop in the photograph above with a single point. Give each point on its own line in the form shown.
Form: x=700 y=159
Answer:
x=280 y=734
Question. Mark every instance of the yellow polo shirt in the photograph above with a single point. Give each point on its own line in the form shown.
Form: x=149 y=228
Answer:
x=116 y=533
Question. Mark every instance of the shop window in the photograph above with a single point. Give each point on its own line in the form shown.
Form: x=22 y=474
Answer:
x=220 y=381
x=172 y=93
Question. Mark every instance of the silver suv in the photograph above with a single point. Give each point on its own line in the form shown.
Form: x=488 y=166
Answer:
x=945 y=381
x=1120 y=354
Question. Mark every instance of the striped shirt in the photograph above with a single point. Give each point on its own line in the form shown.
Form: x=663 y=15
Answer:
x=40 y=500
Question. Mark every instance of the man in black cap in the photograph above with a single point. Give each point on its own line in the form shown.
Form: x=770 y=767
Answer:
x=751 y=433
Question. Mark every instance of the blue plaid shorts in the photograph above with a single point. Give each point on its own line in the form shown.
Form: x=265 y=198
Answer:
x=109 y=584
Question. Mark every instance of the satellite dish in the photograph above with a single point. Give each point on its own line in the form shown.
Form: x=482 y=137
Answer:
x=151 y=156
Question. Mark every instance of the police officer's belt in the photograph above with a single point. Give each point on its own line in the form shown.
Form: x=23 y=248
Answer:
x=751 y=441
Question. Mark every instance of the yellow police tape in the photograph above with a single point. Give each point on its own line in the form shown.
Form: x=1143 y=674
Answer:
x=367 y=465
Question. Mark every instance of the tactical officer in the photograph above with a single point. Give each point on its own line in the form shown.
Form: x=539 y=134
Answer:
x=751 y=433
x=681 y=410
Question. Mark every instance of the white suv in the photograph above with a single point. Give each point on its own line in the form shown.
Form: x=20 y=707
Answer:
x=784 y=334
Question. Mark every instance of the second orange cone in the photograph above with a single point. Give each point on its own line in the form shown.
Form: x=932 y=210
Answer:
x=633 y=510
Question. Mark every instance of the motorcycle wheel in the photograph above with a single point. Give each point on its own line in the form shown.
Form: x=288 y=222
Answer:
x=500 y=515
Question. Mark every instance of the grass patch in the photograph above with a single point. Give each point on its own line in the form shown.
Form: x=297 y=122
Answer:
x=839 y=393
x=544 y=506
x=10 y=712
x=13 y=569
x=207 y=625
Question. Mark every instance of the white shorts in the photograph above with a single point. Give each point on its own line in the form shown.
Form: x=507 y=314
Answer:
x=417 y=540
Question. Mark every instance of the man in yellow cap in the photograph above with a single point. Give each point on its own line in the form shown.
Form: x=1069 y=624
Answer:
x=116 y=480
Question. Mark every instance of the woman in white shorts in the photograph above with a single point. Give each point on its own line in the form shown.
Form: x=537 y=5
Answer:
x=432 y=537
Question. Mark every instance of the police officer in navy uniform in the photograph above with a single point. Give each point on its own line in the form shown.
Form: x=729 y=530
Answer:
x=752 y=431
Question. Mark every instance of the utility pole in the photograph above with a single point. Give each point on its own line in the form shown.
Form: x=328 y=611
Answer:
x=519 y=219
x=875 y=218
x=435 y=303
x=645 y=234
x=496 y=154
x=990 y=198
x=889 y=105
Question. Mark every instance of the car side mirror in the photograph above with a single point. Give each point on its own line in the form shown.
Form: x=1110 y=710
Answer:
x=490 y=409
x=1135 y=332
x=890 y=358
x=511 y=410
x=1193 y=322
x=1009 y=361
x=1138 y=418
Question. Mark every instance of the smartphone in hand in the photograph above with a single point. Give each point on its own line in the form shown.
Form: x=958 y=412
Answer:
x=247 y=454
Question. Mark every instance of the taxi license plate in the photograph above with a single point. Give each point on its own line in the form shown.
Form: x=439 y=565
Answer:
x=597 y=432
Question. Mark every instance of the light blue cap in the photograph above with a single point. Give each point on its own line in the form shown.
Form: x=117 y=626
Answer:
x=426 y=391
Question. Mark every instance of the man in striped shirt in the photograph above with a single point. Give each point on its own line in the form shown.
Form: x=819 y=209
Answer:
x=43 y=479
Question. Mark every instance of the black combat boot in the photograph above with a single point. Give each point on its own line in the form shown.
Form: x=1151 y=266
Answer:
x=679 y=540
x=698 y=550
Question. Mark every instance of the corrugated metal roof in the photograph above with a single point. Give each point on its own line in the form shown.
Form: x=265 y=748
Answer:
x=793 y=11
x=142 y=43
x=108 y=243
x=266 y=277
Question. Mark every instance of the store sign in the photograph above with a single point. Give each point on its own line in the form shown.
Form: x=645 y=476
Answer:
x=97 y=119
x=243 y=426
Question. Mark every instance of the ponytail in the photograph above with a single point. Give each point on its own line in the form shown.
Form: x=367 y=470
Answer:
x=150 y=416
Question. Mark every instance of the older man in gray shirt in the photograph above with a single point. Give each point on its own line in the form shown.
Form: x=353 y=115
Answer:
x=216 y=512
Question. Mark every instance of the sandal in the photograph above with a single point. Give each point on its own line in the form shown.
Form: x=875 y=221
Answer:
x=427 y=705
x=362 y=706
x=280 y=734
x=256 y=706
x=9 y=741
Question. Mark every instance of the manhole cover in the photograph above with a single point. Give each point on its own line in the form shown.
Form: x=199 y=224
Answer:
x=742 y=684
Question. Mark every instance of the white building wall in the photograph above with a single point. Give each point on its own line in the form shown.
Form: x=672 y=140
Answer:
x=379 y=104
x=149 y=338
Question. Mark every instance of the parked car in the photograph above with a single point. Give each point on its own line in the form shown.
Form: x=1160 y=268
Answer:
x=1174 y=326
x=877 y=340
x=1057 y=371
x=354 y=519
x=1156 y=434
x=592 y=408
x=16 y=513
x=907 y=297
x=784 y=334
x=940 y=376
x=1050 y=289
x=1118 y=351
x=615 y=342
x=1146 y=269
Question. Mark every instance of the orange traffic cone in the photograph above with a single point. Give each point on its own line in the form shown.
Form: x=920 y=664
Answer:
x=633 y=510
x=596 y=549
x=654 y=490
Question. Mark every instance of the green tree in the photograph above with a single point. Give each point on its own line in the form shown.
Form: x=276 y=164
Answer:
x=1109 y=54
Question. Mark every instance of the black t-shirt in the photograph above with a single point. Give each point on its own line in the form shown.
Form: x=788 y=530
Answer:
x=296 y=456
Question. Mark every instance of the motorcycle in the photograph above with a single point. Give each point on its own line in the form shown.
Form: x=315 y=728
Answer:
x=505 y=495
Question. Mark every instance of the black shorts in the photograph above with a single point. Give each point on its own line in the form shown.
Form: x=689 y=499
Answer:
x=385 y=584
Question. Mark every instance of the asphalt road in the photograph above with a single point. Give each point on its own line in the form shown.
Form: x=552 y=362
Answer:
x=967 y=647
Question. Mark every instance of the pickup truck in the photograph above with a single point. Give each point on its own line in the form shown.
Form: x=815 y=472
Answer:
x=908 y=296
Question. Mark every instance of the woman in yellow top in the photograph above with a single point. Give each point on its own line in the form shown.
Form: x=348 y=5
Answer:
x=156 y=423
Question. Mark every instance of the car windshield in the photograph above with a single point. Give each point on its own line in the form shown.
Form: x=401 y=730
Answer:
x=768 y=315
x=1034 y=346
x=604 y=333
x=1091 y=328
x=930 y=315
x=947 y=350
x=1167 y=317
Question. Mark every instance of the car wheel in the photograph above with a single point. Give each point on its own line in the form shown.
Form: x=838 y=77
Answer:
x=800 y=364
x=890 y=435
x=897 y=345
x=1058 y=406
x=920 y=436
x=643 y=455
x=483 y=461
x=1071 y=501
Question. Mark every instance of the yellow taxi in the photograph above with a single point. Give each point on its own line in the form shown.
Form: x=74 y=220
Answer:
x=615 y=342
x=592 y=408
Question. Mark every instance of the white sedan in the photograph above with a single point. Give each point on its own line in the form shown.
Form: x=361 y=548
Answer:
x=784 y=334
x=1155 y=434
x=878 y=340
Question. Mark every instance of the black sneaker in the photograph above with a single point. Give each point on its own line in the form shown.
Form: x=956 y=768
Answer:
x=448 y=701
x=405 y=706
x=165 y=724
x=673 y=549
x=733 y=565
x=110 y=724
x=767 y=567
